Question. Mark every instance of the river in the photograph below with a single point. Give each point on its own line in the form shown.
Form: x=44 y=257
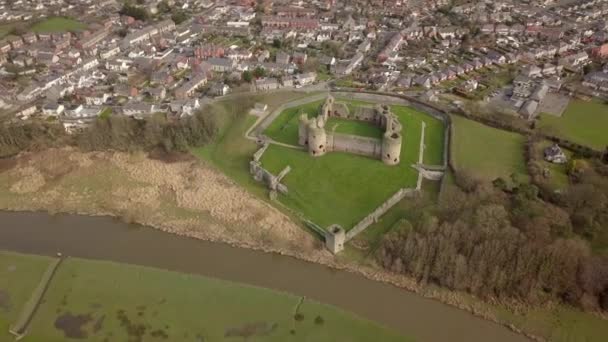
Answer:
x=106 y=238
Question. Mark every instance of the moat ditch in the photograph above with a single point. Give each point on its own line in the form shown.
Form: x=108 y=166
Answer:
x=109 y=239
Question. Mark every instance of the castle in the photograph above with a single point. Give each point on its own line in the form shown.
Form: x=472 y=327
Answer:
x=314 y=136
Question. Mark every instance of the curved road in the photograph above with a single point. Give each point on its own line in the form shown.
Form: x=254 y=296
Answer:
x=108 y=239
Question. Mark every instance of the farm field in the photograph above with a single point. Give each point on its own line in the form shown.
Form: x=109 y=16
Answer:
x=343 y=188
x=486 y=152
x=580 y=123
x=100 y=301
x=58 y=24
x=5 y=29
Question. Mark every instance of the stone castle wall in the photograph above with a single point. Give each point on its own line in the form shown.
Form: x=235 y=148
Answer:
x=312 y=132
x=375 y=215
x=354 y=144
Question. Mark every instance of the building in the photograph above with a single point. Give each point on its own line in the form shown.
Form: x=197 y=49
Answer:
x=305 y=78
x=219 y=89
x=265 y=84
x=554 y=154
x=189 y=88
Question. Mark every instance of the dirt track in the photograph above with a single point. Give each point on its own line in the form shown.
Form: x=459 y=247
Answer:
x=186 y=197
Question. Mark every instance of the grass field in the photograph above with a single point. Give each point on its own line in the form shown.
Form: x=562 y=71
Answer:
x=103 y=301
x=58 y=24
x=231 y=151
x=5 y=29
x=19 y=276
x=285 y=127
x=343 y=188
x=487 y=152
x=582 y=122
x=353 y=127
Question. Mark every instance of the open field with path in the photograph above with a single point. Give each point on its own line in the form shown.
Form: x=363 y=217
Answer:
x=582 y=123
x=486 y=152
x=103 y=301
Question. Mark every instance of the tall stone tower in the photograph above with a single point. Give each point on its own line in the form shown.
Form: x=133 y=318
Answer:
x=335 y=237
x=303 y=129
x=317 y=138
x=391 y=140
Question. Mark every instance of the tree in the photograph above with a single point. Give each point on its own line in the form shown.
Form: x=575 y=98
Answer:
x=134 y=11
x=179 y=17
x=259 y=72
x=276 y=43
x=247 y=77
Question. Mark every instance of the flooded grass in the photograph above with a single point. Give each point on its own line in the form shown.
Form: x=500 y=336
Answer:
x=144 y=304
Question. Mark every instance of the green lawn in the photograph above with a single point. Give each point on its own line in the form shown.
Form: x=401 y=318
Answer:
x=583 y=122
x=343 y=188
x=353 y=127
x=5 y=29
x=487 y=152
x=285 y=127
x=19 y=276
x=103 y=301
x=58 y=24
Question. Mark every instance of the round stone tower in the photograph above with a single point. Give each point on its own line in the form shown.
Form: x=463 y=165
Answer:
x=317 y=138
x=303 y=130
x=391 y=148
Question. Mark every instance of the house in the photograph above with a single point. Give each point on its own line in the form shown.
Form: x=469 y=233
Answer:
x=221 y=64
x=306 y=78
x=96 y=99
x=187 y=89
x=83 y=112
x=282 y=58
x=522 y=86
x=125 y=90
x=139 y=109
x=157 y=93
x=52 y=109
x=531 y=71
x=528 y=110
x=26 y=112
x=300 y=58
x=184 y=107
x=598 y=52
x=554 y=154
x=219 y=89
x=264 y=84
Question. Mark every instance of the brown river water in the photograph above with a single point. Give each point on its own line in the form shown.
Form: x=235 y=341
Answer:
x=106 y=238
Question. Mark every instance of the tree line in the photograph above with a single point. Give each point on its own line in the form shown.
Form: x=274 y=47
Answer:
x=115 y=132
x=508 y=243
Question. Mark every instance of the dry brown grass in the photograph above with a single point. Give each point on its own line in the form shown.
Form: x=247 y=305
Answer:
x=183 y=195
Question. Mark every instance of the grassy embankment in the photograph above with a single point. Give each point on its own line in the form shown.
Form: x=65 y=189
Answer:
x=101 y=301
x=582 y=122
x=341 y=187
x=486 y=152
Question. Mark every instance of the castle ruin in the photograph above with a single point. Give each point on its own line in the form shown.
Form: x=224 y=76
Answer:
x=313 y=135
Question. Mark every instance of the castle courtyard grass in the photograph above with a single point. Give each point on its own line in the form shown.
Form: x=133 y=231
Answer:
x=352 y=127
x=103 y=301
x=343 y=188
x=58 y=24
x=582 y=123
x=486 y=152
